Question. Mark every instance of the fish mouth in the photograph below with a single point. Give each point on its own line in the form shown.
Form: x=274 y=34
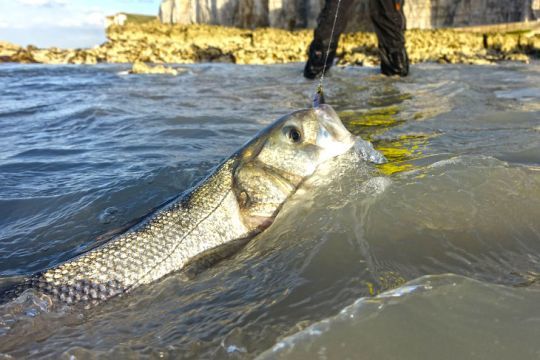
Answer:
x=332 y=136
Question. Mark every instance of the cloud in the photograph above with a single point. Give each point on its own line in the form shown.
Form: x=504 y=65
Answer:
x=95 y=18
x=89 y=19
x=44 y=3
x=138 y=1
x=27 y=21
x=32 y=14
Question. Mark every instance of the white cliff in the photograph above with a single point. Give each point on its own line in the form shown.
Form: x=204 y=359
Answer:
x=292 y=14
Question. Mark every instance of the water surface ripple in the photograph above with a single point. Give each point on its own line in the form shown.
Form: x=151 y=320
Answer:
x=454 y=214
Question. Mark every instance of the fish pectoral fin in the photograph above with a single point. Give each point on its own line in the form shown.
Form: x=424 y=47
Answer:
x=12 y=286
x=214 y=255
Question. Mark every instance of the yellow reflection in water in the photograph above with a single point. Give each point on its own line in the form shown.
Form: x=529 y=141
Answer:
x=400 y=151
x=370 y=123
x=385 y=281
x=373 y=123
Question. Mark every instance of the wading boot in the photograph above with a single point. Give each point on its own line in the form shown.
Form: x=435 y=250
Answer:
x=394 y=61
x=315 y=64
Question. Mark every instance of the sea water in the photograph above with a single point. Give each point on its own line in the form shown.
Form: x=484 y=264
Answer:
x=434 y=254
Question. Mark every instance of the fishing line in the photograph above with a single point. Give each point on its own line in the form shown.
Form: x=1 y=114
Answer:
x=319 y=94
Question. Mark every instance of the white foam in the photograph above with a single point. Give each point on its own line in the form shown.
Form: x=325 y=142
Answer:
x=367 y=152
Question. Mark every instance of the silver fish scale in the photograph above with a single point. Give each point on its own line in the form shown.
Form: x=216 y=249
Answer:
x=206 y=217
x=238 y=200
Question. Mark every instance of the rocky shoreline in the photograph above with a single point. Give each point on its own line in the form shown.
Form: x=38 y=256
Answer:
x=157 y=43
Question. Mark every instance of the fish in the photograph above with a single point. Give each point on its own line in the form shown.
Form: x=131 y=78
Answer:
x=238 y=200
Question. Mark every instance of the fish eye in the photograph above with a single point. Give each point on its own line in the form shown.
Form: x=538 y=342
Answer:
x=293 y=134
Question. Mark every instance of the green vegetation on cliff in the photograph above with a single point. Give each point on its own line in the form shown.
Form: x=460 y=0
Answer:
x=139 y=19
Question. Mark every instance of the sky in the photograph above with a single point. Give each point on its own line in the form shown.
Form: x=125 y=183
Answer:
x=64 y=23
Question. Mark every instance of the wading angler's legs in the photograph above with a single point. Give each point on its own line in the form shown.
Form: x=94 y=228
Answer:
x=388 y=21
x=389 y=24
x=322 y=36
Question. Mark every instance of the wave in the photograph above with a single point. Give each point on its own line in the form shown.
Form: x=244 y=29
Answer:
x=433 y=317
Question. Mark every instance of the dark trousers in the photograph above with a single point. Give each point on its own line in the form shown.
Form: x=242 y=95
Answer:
x=388 y=22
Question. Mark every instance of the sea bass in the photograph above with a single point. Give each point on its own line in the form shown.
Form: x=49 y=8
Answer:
x=238 y=200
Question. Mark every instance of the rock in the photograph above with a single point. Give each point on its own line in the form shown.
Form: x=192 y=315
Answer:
x=8 y=50
x=13 y=53
x=116 y=19
x=286 y=14
x=141 y=68
x=517 y=57
x=296 y=14
x=212 y=54
x=153 y=42
x=24 y=56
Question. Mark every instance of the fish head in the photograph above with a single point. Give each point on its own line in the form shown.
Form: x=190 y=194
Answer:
x=298 y=143
x=273 y=165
